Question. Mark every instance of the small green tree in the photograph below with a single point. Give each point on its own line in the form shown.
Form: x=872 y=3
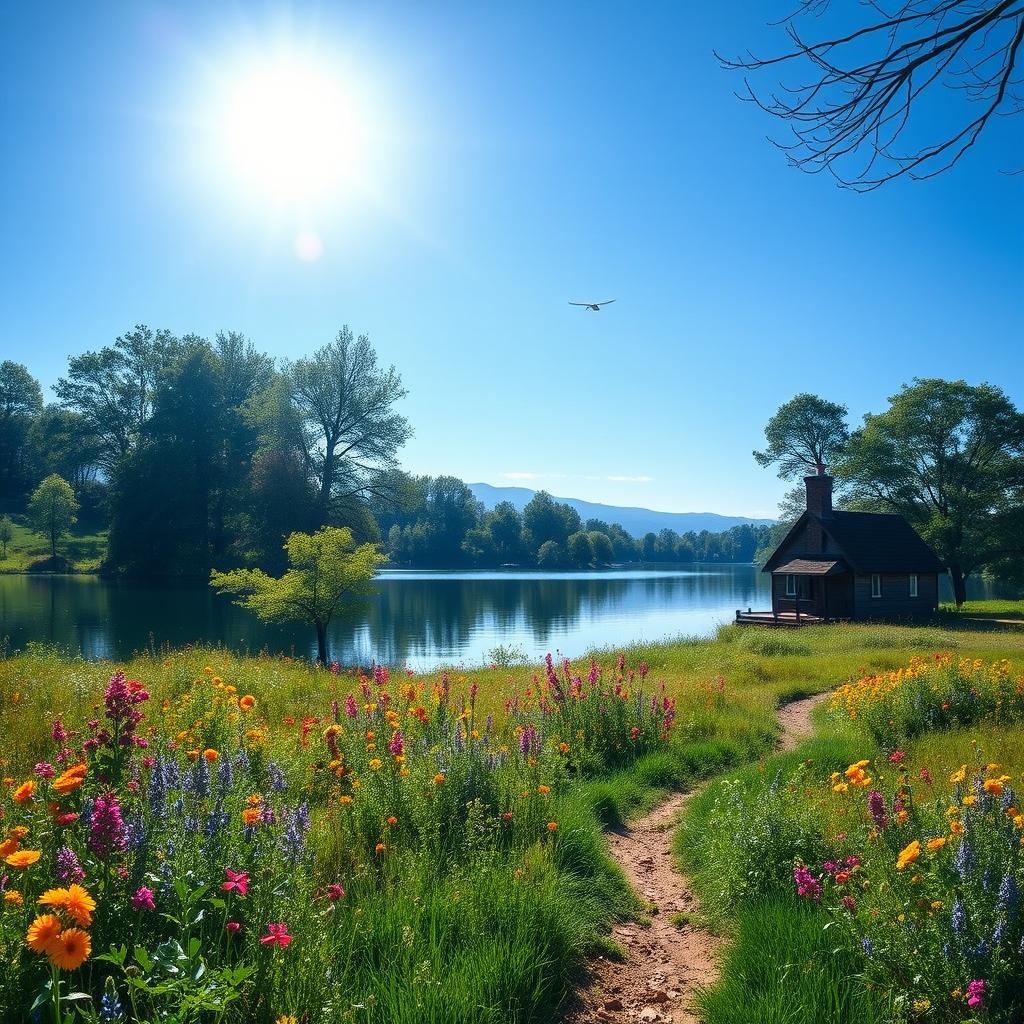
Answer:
x=804 y=434
x=581 y=552
x=329 y=574
x=6 y=533
x=550 y=555
x=53 y=509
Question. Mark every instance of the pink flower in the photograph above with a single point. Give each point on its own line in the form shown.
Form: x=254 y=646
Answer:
x=897 y=757
x=143 y=899
x=232 y=927
x=850 y=903
x=45 y=770
x=976 y=994
x=67 y=819
x=235 y=880
x=277 y=935
x=335 y=892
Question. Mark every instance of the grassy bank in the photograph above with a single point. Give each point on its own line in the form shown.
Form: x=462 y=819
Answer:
x=84 y=550
x=424 y=870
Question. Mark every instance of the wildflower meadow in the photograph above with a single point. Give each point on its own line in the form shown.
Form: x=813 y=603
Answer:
x=398 y=853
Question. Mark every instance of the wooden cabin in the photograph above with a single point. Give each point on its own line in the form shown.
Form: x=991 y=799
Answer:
x=849 y=565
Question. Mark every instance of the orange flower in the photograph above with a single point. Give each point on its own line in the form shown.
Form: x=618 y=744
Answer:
x=192 y=755
x=543 y=790
x=24 y=792
x=14 y=897
x=392 y=820
x=8 y=846
x=22 y=858
x=74 y=899
x=956 y=827
x=552 y=826
x=70 y=780
x=379 y=848
x=43 y=932
x=247 y=702
x=71 y=949
x=438 y=779
x=18 y=832
x=936 y=844
x=251 y=815
x=210 y=755
x=908 y=854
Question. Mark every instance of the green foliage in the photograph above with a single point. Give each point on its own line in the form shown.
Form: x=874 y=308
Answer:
x=328 y=574
x=949 y=456
x=804 y=434
x=21 y=399
x=53 y=510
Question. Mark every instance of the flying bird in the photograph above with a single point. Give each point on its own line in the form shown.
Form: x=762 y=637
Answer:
x=595 y=306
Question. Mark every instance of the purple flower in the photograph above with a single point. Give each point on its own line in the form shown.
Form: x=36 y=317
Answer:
x=397 y=745
x=807 y=885
x=68 y=868
x=350 y=707
x=876 y=805
x=107 y=834
x=143 y=899
x=45 y=770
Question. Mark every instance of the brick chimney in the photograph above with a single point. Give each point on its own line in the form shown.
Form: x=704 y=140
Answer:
x=819 y=493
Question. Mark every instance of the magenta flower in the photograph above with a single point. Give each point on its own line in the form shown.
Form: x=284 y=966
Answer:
x=397 y=744
x=232 y=927
x=107 y=834
x=807 y=885
x=277 y=935
x=976 y=994
x=142 y=899
x=238 y=881
x=45 y=770
x=335 y=892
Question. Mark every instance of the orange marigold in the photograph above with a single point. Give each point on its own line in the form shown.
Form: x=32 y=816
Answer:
x=251 y=815
x=247 y=703
x=43 y=932
x=71 y=949
x=209 y=754
x=22 y=858
x=70 y=780
x=24 y=792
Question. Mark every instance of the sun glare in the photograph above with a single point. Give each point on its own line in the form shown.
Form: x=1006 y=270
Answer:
x=290 y=132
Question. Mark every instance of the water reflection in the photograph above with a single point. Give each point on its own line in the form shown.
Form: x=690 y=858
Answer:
x=423 y=618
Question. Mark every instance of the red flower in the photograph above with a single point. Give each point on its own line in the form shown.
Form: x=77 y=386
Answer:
x=335 y=892
x=232 y=927
x=235 y=880
x=896 y=757
x=277 y=935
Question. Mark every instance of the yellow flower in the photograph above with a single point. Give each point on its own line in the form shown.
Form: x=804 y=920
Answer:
x=23 y=858
x=959 y=775
x=920 y=1005
x=908 y=854
x=346 y=799
x=14 y=897
x=968 y=800
x=543 y=790
x=287 y=1018
x=375 y=763
x=840 y=787
x=71 y=949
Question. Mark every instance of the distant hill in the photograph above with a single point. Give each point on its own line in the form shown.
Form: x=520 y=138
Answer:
x=635 y=521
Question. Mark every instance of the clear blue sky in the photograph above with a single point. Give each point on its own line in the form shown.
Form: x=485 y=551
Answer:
x=513 y=157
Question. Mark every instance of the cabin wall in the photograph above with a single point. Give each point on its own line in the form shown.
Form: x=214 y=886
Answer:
x=895 y=602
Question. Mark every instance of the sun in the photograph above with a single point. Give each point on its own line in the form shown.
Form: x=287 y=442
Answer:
x=289 y=132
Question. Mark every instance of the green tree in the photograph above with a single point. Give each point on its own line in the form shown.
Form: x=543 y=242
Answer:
x=21 y=401
x=114 y=388
x=328 y=574
x=601 y=545
x=347 y=407
x=6 y=533
x=53 y=509
x=550 y=555
x=545 y=519
x=579 y=549
x=804 y=436
x=949 y=456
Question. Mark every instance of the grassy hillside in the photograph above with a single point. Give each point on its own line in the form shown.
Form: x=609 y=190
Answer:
x=83 y=549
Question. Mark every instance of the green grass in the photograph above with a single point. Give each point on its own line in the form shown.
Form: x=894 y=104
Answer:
x=994 y=609
x=85 y=550
x=783 y=968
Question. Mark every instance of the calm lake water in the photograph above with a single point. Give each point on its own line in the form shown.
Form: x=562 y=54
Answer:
x=420 y=618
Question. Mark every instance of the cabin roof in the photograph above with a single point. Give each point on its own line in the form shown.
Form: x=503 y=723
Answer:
x=868 y=541
x=813 y=567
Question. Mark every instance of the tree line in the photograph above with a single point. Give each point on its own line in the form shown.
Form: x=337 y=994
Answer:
x=439 y=522
x=202 y=454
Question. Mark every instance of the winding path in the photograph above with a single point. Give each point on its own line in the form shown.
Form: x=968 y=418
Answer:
x=664 y=964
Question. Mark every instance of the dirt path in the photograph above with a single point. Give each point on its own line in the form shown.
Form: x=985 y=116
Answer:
x=665 y=963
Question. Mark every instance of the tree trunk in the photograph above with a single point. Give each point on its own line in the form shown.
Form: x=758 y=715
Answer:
x=959 y=581
x=321 y=643
x=53 y=543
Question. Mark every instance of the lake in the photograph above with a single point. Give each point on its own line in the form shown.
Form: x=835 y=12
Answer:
x=418 y=618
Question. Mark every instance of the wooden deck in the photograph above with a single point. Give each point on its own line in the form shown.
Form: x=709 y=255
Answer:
x=790 y=619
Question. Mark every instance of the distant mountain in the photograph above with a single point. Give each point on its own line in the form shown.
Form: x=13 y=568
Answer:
x=635 y=521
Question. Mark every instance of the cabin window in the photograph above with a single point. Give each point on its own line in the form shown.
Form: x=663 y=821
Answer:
x=876 y=584
x=790 y=585
x=913 y=584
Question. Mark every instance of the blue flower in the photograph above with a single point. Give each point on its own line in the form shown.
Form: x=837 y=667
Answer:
x=275 y=777
x=965 y=860
x=958 y=917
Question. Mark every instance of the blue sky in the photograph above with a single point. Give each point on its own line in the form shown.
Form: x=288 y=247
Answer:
x=512 y=157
